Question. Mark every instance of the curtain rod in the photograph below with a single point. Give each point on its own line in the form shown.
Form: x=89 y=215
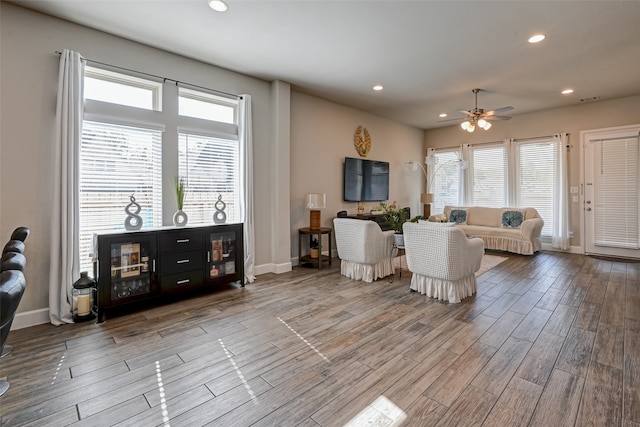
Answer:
x=494 y=142
x=164 y=79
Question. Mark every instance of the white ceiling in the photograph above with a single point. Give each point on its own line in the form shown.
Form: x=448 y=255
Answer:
x=429 y=55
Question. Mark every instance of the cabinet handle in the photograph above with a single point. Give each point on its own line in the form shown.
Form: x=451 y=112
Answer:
x=182 y=261
x=153 y=265
x=208 y=256
x=182 y=241
x=182 y=282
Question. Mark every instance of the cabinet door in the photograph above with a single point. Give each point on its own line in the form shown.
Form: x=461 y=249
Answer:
x=224 y=253
x=127 y=268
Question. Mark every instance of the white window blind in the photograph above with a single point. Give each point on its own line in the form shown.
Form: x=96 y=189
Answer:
x=537 y=177
x=446 y=181
x=616 y=212
x=116 y=162
x=211 y=168
x=488 y=166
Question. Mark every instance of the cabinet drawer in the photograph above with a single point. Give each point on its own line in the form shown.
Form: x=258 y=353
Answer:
x=177 y=262
x=180 y=281
x=181 y=240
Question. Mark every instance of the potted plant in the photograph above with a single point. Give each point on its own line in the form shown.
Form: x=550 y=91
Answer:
x=180 y=218
x=395 y=217
x=314 y=248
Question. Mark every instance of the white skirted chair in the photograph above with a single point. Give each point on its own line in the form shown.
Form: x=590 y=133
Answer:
x=442 y=259
x=365 y=250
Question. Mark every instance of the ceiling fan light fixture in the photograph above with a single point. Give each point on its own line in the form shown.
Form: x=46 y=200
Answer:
x=218 y=5
x=484 y=124
x=465 y=125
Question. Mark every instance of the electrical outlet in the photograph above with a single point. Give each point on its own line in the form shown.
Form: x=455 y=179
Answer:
x=574 y=190
x=576 y=199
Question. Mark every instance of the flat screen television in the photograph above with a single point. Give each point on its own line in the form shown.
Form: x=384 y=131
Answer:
x=365 y=180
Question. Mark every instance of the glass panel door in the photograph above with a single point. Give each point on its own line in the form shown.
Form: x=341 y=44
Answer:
x=131 y=267
x=222 y=255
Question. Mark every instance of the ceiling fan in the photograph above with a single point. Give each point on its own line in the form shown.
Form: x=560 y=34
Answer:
x=480 y=117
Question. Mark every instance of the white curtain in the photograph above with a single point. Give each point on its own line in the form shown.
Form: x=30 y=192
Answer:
x=63 y=258
x=246 y=176
x=466 y=184
x=560 y=232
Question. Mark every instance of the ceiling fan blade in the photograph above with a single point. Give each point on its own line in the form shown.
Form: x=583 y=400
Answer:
x=468 y=113
x=498 y=111
x=497 y=118
x=452 y=120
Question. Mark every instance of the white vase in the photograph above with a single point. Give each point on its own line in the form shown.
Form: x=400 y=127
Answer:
x=180 y=218
x=399 y=240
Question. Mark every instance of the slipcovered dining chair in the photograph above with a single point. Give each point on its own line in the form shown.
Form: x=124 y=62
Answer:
x=443 y=260
x=365 y=251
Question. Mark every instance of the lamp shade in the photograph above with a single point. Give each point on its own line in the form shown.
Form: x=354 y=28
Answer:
x=426 y=198
x=316 y=201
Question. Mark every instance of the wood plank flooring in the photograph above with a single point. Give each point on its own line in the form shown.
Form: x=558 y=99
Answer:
x=548 y=340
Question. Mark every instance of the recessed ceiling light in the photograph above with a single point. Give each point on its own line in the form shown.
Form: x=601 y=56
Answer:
x=537 y=38
x=218 y=5
x=443 y=115
x=567 y=91
x=378 y=87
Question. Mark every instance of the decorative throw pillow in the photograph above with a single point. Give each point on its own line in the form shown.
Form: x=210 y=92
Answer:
x=512 y=218
x=459 y=216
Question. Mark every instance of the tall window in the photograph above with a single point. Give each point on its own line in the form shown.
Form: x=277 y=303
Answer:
x=516 y=174
x=117 y=162
x=125 y=133
x=210 y=167
x=537 y=178
x=488 y=174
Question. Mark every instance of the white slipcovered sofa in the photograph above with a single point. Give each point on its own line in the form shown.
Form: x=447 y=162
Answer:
x=442 y=259
x=514 y=230
x=365 y=251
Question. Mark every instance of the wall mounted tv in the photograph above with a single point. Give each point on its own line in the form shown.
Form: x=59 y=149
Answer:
x=365 y=180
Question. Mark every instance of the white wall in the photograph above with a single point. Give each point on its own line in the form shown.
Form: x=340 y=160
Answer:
x=322 y=136
x=29 y=73
x=596 y=115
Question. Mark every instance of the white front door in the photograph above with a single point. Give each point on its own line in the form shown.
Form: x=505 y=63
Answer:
x=611 y=186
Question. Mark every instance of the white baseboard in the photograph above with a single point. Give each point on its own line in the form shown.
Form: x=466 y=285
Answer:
x=572 y=249
x=272 y=268
x=30 y=318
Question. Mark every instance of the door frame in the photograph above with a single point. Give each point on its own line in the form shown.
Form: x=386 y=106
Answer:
x=584 y=136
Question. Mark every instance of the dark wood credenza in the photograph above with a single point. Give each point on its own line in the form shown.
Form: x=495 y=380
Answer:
x=137 y=266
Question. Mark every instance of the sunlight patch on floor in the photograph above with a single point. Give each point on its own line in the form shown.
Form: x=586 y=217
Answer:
x=311 y=346
x=55 y=375
x=252 y=395
x=163 y=400
x=381 y=412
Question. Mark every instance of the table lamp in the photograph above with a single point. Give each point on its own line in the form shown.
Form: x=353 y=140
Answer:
x=426 y=199
x=315 y=202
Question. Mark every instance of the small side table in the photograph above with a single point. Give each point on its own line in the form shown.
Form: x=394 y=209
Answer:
x=314 y=232
x=400 y=253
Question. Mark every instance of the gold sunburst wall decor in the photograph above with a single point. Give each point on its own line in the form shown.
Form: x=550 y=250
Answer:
x=362 y=141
